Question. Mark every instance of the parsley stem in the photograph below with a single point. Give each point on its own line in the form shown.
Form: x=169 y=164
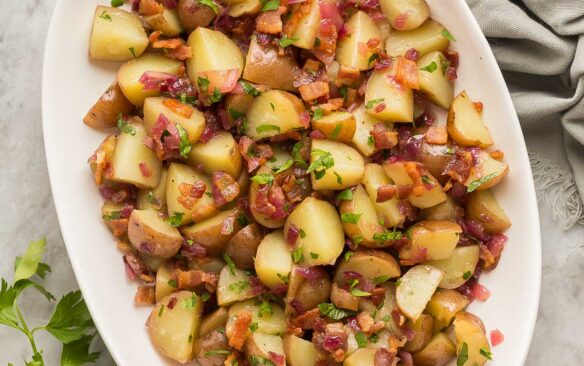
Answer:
x=28 y=334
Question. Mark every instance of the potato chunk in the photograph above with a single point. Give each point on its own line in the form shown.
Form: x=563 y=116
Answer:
x=337 y=165
x=263 y=65
x=154 y=198
x=174 y=324
x=397 y=172
x=151 y=235
x=416 y=288
x=486 y=174
x=233 y=286
x=459 y=267
x=132 y=161
x=190 y=119
x=307 y=26
x=299 y=352
x=323 y=239
x=130 y=73
x=389 y=210
x=433 y=81
x=117 y=35
x=387 y=100
x=437 y=352
x=352 y=50
x=338 y=126
x=431 y=240
x=371 y=264
x=470 y=337
x=259 y=346
x=484 y=208
x=364 y=124
x=269 y=317
x=465 y=123
x=425 y=39
x=443 y=305
x=220 y=153
x=273 y=261
x=367 y=225
x=272 y=113
x=105 y=112
x=167 y=22
x=180 y=181
x=214 y=233
x=405 y=14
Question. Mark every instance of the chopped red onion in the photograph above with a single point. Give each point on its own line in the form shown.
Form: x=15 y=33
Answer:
x=497 y=337
x=405 y=358
x=156 y=80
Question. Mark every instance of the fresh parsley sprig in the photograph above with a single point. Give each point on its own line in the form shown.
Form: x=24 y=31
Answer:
x=70 y=323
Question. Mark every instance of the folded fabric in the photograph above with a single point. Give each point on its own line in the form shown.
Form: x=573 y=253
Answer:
x=539 y=45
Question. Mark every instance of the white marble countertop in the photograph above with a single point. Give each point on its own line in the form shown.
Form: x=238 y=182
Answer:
x=29 y=213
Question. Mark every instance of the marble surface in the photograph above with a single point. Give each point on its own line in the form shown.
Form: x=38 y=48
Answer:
x=29 y=211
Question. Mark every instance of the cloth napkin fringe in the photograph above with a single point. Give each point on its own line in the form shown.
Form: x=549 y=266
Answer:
x=555 y=186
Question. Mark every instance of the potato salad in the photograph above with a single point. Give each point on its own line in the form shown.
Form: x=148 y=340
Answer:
x=296 y=182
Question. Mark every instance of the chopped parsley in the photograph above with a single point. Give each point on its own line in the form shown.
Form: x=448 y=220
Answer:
x=117 y=3
x=132 y=51
x=339 y=178
x=124 y=126
x=205 y=296
x=297 y=156
x=242 y=220
x=361 y=339
x=357 y=239
x=333 y=312
x=266 y=128
x=189 y=304
x=380 y=279
x=371 y=141
x=265 y=309
x=105 y=16
x=260 y=361
x=270 y=5
x=302 y=233
x=114 y=215
x=358 y=293
x=210 y=4
x=426 y=179
x=387 y=235
x=466 y=275
x=297 y=255
x=462 y=355
x=446 y=34
x=219 y=352
x=374 y=338
x=203 y=83
x=285 y=41
x=336 y=131
x=185 y=145
x=431 y=67
x=370 y=104
x=283 y=278
x=263 y=178
x=314 y=255
x=485 y=352
x=216 y=96
x=253 y=327
x=372 y=58
x=348 y=255
x=161 y=310
x=321 y=164
x=238 y=287
x=172 y=283
x=283 y=167
x=273 y=107
x=346 y=195
x=229 y=262
x=350 y=218
x=150 y=198
x=343 y=91
x=235 y=114
x=249 y=89
x=176 y=219
x=479 y=182
x=317 y=114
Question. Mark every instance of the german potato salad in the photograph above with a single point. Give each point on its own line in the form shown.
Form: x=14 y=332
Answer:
x=295 y=182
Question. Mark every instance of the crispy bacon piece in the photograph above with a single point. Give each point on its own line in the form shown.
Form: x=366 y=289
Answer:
x=225 y=188
x=270 y=22
x=190 y=193
x=309 y=320
x=193 y=278
x=144 y=295
x=124 y=247
x=497 y=155
x=331 y=105
x=118 y=227
x=335 y=339
x=182 y=52
x=150 y=7
x=314 y=90
x=240 y=329
x=327 y=34
x=100 y=160
x=368 y=324
x=311 y=66
x=166 y=138
x=384 y=139
x=168 y=43
x=437 y=135
x=407 y=73
x=386 y=192
x=291 y=189
x=154 y=36
x=347 y=75
x=135 y=266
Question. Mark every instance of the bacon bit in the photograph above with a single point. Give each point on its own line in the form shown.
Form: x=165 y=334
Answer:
x=118 y=227
x=479 y=292
x=401 y=20
x=328 y=35
x=311 y=66
x=335 y=338
x=407 y=73
x=412 y=54
x=447 y=186
x=193 y=278
x=351 y=99
x=146 y=172
x=497 y=155
x=190 y=193
x=452 y=57
x=383 y=358
x=154 y=36
x=168 y=43
x=451 y=74
x=179 y=108
x=364 y=49
x=308 y=320
x=385 y=193
x=99 y=162
x=223 y=80
x=492 y=250
x=365 y=321
x=497 y=337
x=331 y=105
x=276 y=358
x=124 y=247
x=145 y=295
x=458 y=168
x=270 y=22
x=240 y=329
x=478 y=106
x=182 y=53
x=150 y=7
x=294 y=20
x=290 y=135
x=225 y=188
x=171 y=302
x=135 y=266
x=314 y=90
x=193 y=251
x=292 y=189
x=345 y=31
x=383 y=138
x=231 y=360
x=167 y=146
x=437 y=135
x=255 y=155
x=348 y=76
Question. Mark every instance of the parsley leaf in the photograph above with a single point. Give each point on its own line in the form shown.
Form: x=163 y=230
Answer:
x=314 y=255
x=466 y=275
x=346 y=195
x=431 y=67
x=358 y=293
x=446 y=34
x=238 y=287
x=285 y=41
x=71 y=320
x=114 y=215
x=486 y=353
x=259 y=361
x=336 y=131
x=333 y=312
x=220 y=352
x=105 y=16
x=203 y=83
x=317 y=114
x=189 y=303
x=371 y=103
x=321 y=164
x=462 y=355
x=387 y=235
x=132 y=51
x=29 y=263
x=216 y=96
x=380 y=279
x=350 y=218
x=284 y=166
x=265 y=309
x=176 y=219
x=124 y=126
x=249 y=89
x=76 y=353
x=371 y=141
x=361 y=339
x=283 y=278
x=263 y=178
x=210 y=4
x=265 y=128
x=229 y=262
x=185 y=145
x=479 y=182
x=117 y=3
x=348 y=256
x=297 y=255
x=270 y=5
x=297 y=156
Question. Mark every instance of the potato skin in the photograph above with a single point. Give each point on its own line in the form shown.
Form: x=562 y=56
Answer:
x=264 y=66
x=465 y=124
x=243 y=246
x=104 y=113
x=484 y=208
x=151 y=235
x=193 y=14
x=208 y=233
x=443 y=305
x=437 y=352
x=422 y=333
x=368 y=263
